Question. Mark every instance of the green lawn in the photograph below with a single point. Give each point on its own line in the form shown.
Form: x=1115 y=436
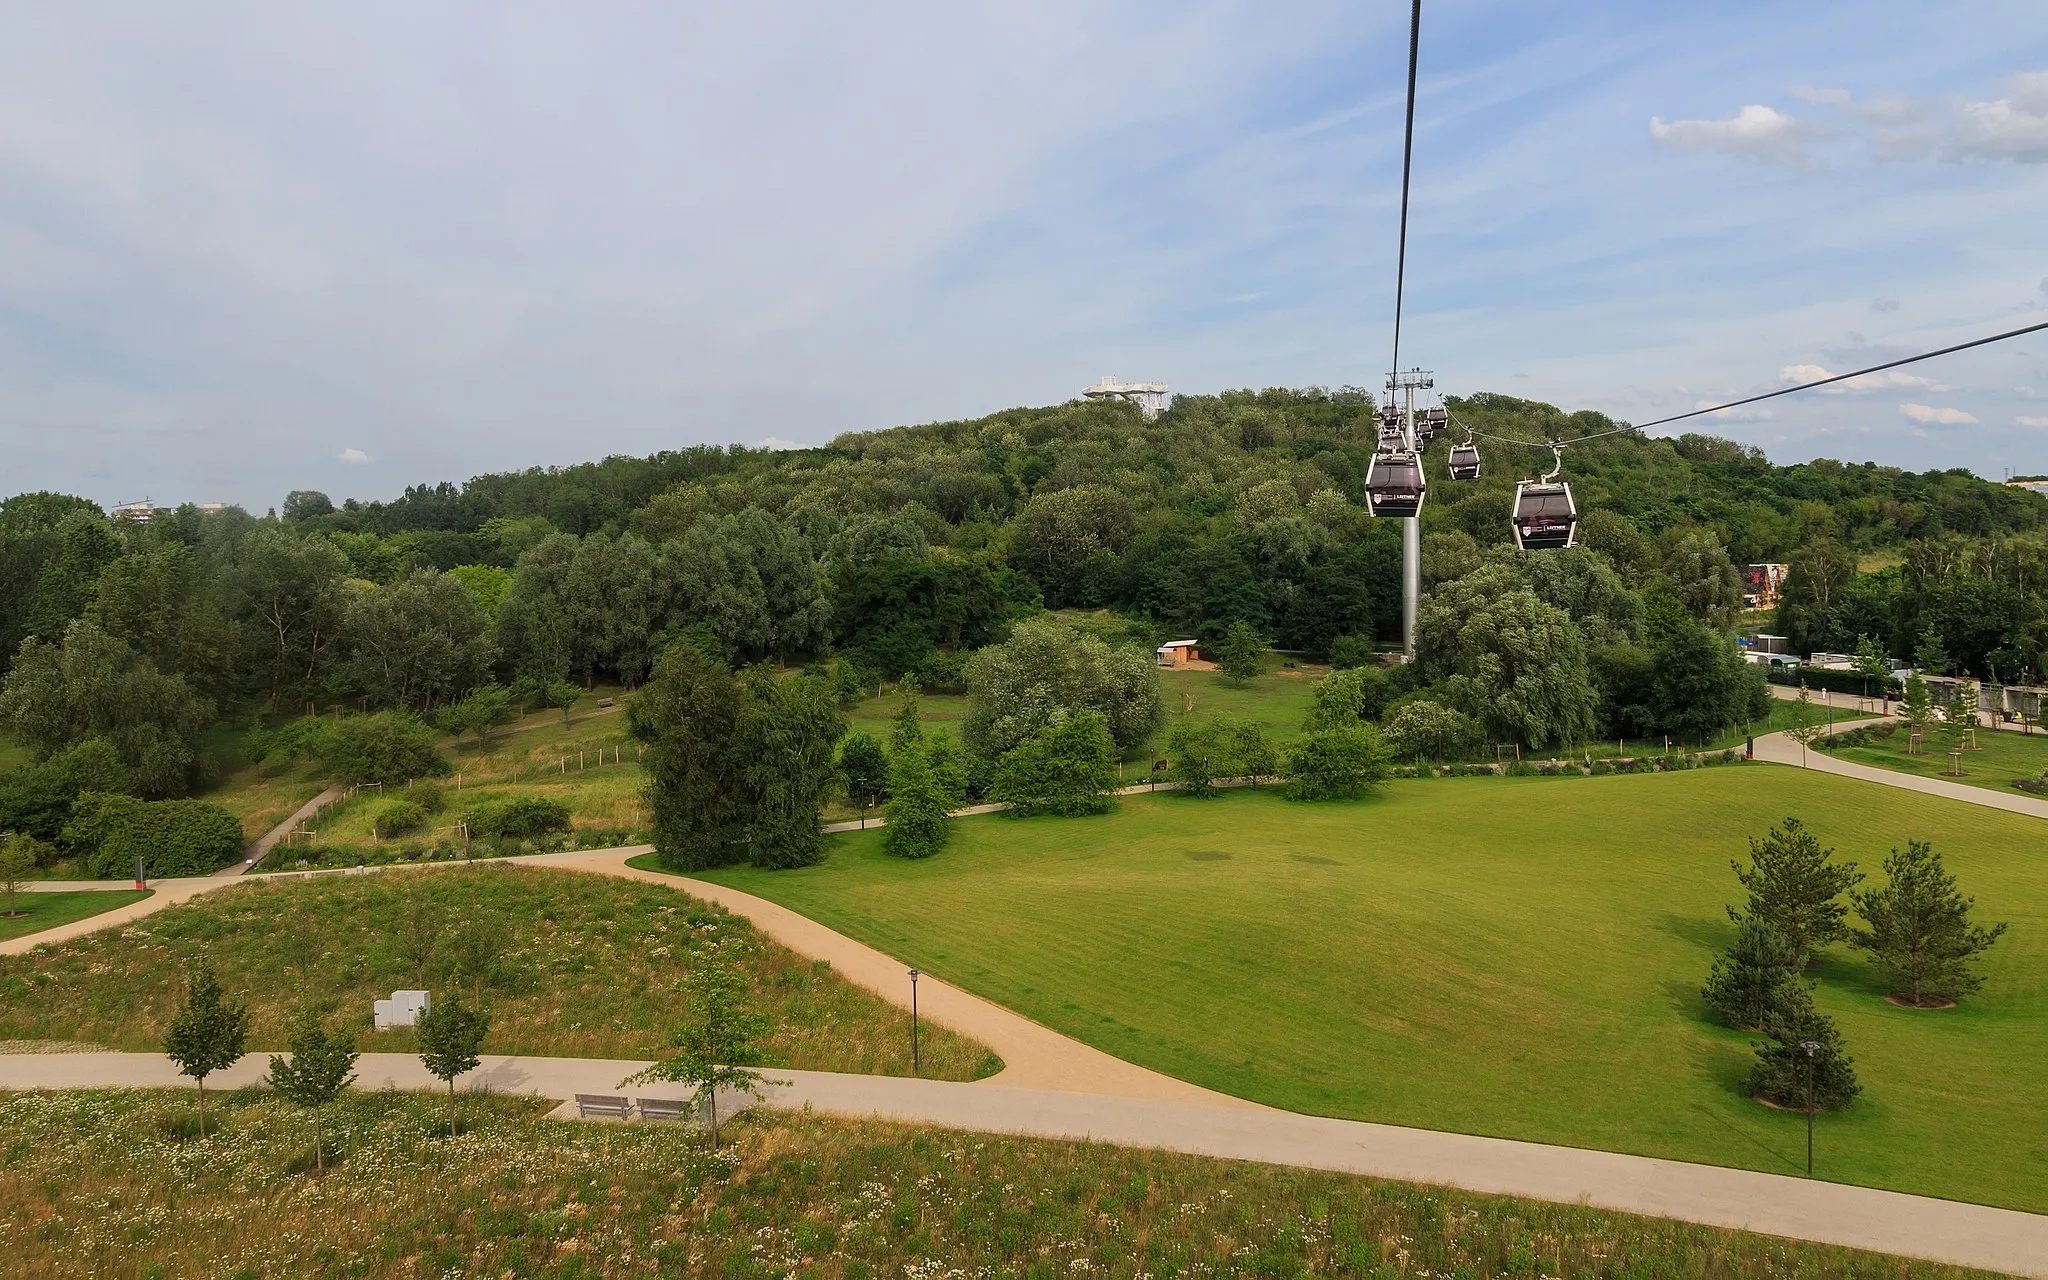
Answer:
x=40 y=911
x=1519 y=957
x=2001 y=757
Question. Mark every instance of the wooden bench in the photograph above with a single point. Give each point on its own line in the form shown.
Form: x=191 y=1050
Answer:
x=598 y=1104
x=663 y=1108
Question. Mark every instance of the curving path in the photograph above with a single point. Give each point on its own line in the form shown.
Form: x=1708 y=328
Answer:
x=1779 y=748
x=1053 y=1086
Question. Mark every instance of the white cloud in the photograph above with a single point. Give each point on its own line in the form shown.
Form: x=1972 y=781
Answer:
x=1793 y=375
x=353 y=456
x=779 y=444
x=2014 y=127
x=1884 y=304
x=1740 y=413
x=2034 y=422
x=1756 y=130
x=1943 y=416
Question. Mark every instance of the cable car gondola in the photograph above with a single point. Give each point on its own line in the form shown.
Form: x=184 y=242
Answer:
x=1465 y=461
x=1432 y=422
x=1546 y=518
x=1393 y=484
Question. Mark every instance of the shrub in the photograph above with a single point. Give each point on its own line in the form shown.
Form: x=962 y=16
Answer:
x=1352 y=651
x=1336 y=763
x=398 y=818
x=389 y=747
x=173 y=837
x=429 y=796
x=1068 y=767
x=521 y=817
x=1429 y=730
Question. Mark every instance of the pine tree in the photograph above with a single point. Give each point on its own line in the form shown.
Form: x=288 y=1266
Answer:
x=918 y=826
x=207 y=1033
x=1782 y=1062
x=320 y=1067
x=1920 y=931
x=1795 y=887
x=1749 y=980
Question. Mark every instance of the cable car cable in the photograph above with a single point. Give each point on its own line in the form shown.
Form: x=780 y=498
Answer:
x=1407 y=158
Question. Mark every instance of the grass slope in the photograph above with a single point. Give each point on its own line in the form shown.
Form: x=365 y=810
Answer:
x=40 y=911
x=1519 y=957
x=90 y=1183
x=592 y=969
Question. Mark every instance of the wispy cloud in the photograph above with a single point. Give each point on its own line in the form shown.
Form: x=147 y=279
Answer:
x=1757 y=131
x=1793 y=375
x=1938 y=416
x=2033 y=422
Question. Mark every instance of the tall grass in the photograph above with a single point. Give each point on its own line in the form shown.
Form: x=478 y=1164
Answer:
x=591 y=967
x=102 y=1183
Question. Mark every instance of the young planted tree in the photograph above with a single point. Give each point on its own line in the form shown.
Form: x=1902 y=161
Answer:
x=863 y=768
x=451 y=1036
x=321 y=1065
x=1783 y=1062
x=207 y=1033
x=1252 y=748
x=1242 y=655
x=1920 y=930
x=17 y=863
x=1961 y=717
x=482 y=710
x=905 y=727
x=1749 y=980
x=918 y=827
x=1796 y=887
x=718 y=1047
x=1919 y=709
x=1198 y=752
x=1873 y=664
x=1805 y=726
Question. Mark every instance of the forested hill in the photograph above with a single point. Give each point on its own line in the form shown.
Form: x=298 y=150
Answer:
x=902 y=549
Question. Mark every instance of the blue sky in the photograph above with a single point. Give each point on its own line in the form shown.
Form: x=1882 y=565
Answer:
x=245 y=249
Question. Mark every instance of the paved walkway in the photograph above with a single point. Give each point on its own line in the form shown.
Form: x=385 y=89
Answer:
x=1858 y=1217
x=1779 y=748
x=268 y=840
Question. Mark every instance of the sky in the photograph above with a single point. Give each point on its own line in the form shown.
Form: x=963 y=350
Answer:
x=250 y=248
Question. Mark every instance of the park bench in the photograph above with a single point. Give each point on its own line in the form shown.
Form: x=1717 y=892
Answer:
x=662 y=1108
x=598 y=1104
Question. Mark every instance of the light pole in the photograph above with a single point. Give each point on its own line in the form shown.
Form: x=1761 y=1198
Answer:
x=1811 y=1047
x=914 y=1065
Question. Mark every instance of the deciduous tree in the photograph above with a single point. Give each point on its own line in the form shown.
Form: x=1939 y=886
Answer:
x=208 y=1032
x=1242 y=655
x=321 y=1065
x=451 y=1039
x=1068 y=767
x=719 y=1046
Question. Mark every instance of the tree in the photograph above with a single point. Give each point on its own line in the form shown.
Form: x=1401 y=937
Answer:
x=1929 y=657
x=208 y=1031
x=1427 y=730
x=1067 y=768
x=688 y=715
x=484 y=709
x=451 y=1035
x=1047 y=669
x=416 y=644
x=1919 y=707
x=17 y=863
x=719 y=1045
x=1509 y=660
x=1332 y=764
x=1783 y=1062
x=286 y=593
x=321 y=1065
x=1251 y=747
x=1873 y=663
x=787 y=730
x=864 y=768
x=1749 y=980
x=1961 y=714
x=1805 y=726
x=1346 y=698
x=1920 y=930
x=1796 y=888
x=906 y=728
x=390 y=747
x=1198 y=752
x=1242 y=655
x=1704 y=579
x=1699 y=684
x=917 y=809
x=1817 y=582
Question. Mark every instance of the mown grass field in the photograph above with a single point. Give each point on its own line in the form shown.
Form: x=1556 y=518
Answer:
x=1517 y=957
x=40 y=911
x=2002 y=756
x=586 y=966
x=91 y=1183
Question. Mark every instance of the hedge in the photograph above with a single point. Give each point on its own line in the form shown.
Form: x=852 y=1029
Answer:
x=522 y=817
x=1834 y=680
x=173 y=837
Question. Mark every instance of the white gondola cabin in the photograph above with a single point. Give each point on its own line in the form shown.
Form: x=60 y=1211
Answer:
x=1545 y=517
x=1464 y=462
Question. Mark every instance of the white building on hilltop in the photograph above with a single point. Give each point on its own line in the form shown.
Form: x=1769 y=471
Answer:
x=1150 y=397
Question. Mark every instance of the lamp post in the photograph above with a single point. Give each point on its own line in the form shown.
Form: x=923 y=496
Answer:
x=914 y=1065
x=1811 y=1047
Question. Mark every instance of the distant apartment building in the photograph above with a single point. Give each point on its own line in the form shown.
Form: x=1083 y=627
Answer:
x=1762 y=584
x=2031 y=486
x=141 y=512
